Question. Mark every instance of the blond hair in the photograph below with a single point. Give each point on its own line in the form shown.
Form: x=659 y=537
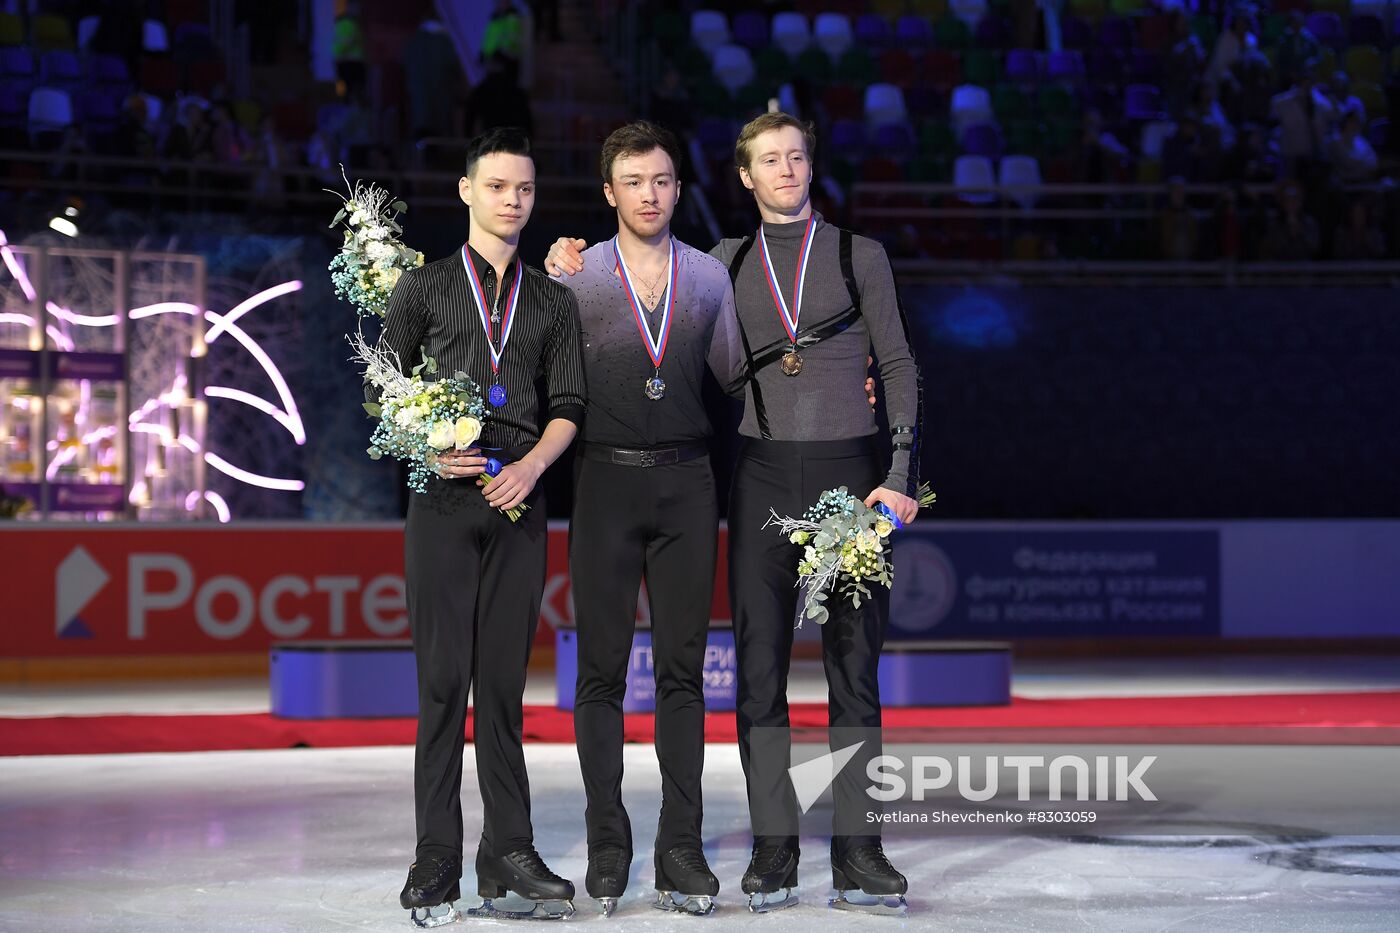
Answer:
x=762 y=124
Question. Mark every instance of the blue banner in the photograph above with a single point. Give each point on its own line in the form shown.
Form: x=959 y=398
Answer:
x=1033 y=584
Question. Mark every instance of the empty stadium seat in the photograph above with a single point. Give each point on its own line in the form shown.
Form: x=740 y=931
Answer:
x=1153 y=135
x=792 y=35
x=751 y=30
x=974 y=172
x=1020 y=170
x=970 y=104
x=982 y=139
x=87 y=28
x=709 y=29
x=1022 y=66
x=52 y=32
x=733 y=66
x=154 y=37
x=831 y=32
x=884 y=103
x=969 y=11
x=50 y=108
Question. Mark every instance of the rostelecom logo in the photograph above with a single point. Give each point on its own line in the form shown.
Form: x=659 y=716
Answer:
x=78 y=580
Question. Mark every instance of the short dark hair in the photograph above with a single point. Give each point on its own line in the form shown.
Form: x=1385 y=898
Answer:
x=638 y=138
x=508 y=139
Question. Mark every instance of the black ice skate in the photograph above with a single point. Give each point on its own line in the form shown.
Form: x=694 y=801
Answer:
x=607 y=876
x=772 y=868
x=526 y=874
x=430 y=893
x=865 y=881
x=684 y=882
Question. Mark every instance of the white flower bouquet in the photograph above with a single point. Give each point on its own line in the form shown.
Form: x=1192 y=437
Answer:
x=844 y=545
x=371 y=259
x=419 y=419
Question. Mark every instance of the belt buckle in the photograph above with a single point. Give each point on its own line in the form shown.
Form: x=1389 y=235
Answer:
x=647 y=458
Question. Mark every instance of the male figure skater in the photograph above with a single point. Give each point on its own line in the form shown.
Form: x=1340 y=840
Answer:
x=812 y=301
x=474 y=578
x=654 y=313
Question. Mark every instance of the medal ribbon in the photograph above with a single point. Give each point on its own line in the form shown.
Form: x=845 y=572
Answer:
x=790 y=319
x=656 y=348
x=507 y=321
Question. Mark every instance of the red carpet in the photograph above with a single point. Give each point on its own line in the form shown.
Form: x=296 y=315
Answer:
x=1351 y=718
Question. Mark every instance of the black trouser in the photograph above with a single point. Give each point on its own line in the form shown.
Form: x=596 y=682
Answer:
x=474 y=581
x=628 y=521
x=789 y=477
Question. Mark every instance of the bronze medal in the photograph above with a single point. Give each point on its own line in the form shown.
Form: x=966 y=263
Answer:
x=792 y=363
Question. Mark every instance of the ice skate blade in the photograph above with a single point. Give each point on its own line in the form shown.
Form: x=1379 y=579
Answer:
x=540 y=911
x=607 y=904
x=760 y=903
x=424 y=918
x=883 y=905
x=697 y=905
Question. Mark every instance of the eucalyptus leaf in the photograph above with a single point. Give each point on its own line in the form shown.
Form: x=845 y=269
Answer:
x=400 y=206
x=374 y=409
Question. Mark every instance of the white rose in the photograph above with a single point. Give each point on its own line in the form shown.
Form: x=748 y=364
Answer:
x=377 y=232
x=883 y=527
x=404 y=417
x=467 y=430
x=378 y=250
x=441 y=436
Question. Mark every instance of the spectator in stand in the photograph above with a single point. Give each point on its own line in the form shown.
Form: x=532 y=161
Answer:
x=670 y=104
x=348 y=49
x=1098 y=155
x=1353 y=160
x=1248 y=94
x=1343 y=100
x=227 y=142
x=1184 y=63
x=433 y=80
x=189 y=138
x=1304 y=115
x=134 y=136
x=1251 y=161
x=498 y=101
x=1292 y=236
x=270 y=155
x=1212 y=117
x=1177 y=229
x=1358 y=240
x=1296 y=48
x=505 y=34
x=1226 y=226
x=1188 y=154
x=1231 y=45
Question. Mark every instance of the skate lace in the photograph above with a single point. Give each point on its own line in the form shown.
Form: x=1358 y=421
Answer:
x=688 y=859
x=429 y=871
x=528 y=859
x=610 y=861
x=874 y=856
x=768 y=858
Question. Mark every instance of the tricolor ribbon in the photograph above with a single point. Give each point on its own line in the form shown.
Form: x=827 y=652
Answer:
x=656 y=347
x=790 y=319
x=507 y=321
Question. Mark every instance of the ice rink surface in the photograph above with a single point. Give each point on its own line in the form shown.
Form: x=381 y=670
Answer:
x=321 y=839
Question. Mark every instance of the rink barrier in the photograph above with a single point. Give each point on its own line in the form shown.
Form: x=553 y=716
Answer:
x=343 y=679
x=945 y=673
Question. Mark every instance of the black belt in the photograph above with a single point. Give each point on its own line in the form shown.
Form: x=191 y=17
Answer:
x=656 y=456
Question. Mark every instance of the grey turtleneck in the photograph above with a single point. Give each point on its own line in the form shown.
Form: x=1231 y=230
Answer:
x=827 y=401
